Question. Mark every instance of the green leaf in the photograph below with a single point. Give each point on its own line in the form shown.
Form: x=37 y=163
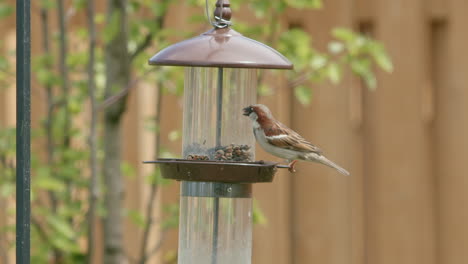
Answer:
x=112 y=28
x=166 y=153
x=172 y=216
x=45 y=181
x=296 y=45
x=4 y=64
x=136 y=218
x=99 y=18
x=361 y=66
x=334 y=73
x=303 y=94
x=61 y=226
x=335 y=47
x=318 y=61
x=381 y=58
x=47 y=77
x=49 y=184
x=258 y=217
x=65 y=244
x=47 y=4
x=7 y=190
x=264 y=90
x=156 y=178
x=151 y=126
x=5 y=10
x=77 y=59
x=344 y=34
x=174 y=135
x=370 y=81
x=79 y=4
x=127 y=169
x=301 y=4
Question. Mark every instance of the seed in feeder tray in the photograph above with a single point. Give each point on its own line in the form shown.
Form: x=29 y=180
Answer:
x=219 y=154
x=232 y=152
x=197 y=157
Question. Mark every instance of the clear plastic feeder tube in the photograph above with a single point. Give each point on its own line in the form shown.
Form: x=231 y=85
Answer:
x=214 y=126
x=216 y=218
x=215 y=223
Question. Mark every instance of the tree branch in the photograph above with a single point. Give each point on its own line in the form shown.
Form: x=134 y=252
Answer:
x=300 y=79
x=49 y=107
x=149 y=37
x=156 y=248
x=142 y=46
x=93 y=183
x=124 y=92
x=63 y=45
x=117 y=78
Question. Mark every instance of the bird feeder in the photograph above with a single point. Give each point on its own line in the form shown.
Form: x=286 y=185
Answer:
x=218 y=165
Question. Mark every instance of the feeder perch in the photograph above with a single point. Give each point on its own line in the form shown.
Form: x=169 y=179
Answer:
x=218 y=166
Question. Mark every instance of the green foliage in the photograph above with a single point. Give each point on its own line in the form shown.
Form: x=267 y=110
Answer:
x=258 y=217
x=156 y=178
x=361 y=52
x=303 y=94
x=7 y=165
x=137 y=218
x=171 y=219
x=174 y=135
x=300 y=4
x=112 y=28
x=47 y=4
x=127 y=169
x=349 y=49
x=47 y=78
x=6 y=9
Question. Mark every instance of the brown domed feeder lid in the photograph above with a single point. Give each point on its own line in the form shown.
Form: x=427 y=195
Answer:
x=217 y=171
x=221 y=47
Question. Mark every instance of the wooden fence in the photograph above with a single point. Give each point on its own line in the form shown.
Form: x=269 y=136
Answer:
x=405 y=144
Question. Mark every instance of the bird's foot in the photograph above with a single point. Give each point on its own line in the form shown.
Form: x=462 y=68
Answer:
x=292 y=165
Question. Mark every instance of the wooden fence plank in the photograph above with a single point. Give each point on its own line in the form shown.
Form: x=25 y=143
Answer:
x=400 y=182
x=272 y=241
x=452 y=127
x=321 y=197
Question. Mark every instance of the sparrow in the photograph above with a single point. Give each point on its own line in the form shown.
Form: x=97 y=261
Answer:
x=281 y=141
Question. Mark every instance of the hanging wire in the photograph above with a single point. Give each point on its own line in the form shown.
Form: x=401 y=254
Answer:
x=219 y=21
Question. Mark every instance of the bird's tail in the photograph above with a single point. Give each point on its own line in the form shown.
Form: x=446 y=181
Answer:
x=329 y=163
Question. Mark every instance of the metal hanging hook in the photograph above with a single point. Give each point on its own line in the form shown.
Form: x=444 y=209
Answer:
x=219 y=21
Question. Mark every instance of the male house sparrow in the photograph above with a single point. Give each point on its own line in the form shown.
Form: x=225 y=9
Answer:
x=279 y=140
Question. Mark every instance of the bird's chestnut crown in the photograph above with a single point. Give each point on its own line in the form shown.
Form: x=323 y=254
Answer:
x=257 y=112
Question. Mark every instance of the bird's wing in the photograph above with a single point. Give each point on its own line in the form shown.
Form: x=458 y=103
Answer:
x=281 y=136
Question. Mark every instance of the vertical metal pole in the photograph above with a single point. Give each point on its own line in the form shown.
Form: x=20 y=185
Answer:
x=219 y=106
x=219 y=120
x=23 y=127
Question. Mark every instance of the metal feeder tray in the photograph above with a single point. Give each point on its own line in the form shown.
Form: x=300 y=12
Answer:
x=217 y=171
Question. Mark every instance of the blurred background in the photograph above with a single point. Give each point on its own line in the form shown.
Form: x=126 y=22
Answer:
x=380 y=86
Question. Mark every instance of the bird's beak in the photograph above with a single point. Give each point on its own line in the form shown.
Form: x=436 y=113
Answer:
x=247 y=111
